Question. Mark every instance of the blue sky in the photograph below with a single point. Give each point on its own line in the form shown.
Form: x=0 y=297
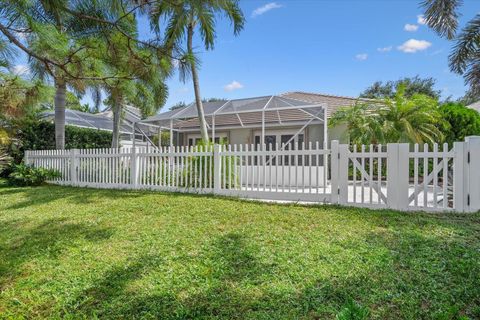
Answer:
x=326 y=46
x=336 y=47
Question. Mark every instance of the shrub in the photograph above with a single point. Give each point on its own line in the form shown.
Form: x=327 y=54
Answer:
x=40 y=135
x=26 y=175
x=462 y=122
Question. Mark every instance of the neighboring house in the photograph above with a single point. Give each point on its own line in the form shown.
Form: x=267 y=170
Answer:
x=475 y=106
x=104 y=121
x=293 y=117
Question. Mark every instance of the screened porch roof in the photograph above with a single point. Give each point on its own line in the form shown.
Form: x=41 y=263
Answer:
x=242 y=113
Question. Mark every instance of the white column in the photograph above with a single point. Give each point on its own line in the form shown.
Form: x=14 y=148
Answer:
x=73 y=166
x=133 y=168
x=159 y=137
x=171 y=133
x=133 y=135
x=335 y=155
x=213 y=129
x=397 y=175
x=217 y=169
x=262 y=140
x=325 y=128
x=342 y=173
x=459 y=176
x=473 y=175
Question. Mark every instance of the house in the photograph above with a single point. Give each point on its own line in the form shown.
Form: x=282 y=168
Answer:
x=104 y=121
x=288 y=118
x=475 y=106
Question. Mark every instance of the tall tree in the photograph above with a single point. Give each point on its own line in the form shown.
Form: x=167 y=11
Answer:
x=442 y=16
x=144 y=83
x=65 y=39
x=183 y=18
x=415 y=85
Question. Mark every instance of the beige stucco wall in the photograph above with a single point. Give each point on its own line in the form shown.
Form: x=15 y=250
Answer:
x=338 y=133
x=315 y=133
x=240 y=136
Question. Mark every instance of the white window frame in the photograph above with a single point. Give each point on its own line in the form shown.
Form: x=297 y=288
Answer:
x=196 y=136
x=279 y=133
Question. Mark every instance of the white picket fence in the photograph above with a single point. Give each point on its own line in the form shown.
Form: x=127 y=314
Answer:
x=397 y=176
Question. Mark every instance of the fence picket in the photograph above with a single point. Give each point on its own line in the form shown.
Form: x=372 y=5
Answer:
x=295 y=171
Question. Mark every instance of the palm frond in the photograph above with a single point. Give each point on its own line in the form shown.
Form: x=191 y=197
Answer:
x=442 y=16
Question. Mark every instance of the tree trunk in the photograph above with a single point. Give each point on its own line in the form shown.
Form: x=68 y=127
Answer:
x=117 y=115
x=196 y=88
x=60 y=93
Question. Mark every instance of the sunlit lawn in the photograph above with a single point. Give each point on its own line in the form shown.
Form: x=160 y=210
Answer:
x=83 y=253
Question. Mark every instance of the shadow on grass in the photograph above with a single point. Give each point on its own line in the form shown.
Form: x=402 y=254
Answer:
x=414 y=278
x=233 y=262
x=46 y=194
x=47 y=239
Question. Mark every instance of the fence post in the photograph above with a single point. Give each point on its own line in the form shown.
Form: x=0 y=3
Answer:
x=397 y=175
x=217 y=169
x=343 y=174
x=73 y=166
x=334 y=165
x=459 y=176
x=473 y=173
x=133 y=167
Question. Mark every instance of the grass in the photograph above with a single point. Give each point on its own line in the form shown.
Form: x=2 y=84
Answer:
x=83 y=253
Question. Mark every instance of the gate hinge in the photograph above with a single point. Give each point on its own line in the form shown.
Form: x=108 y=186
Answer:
x=338 y=155
x=338 y=191
x=468 y=199
x=468 y=157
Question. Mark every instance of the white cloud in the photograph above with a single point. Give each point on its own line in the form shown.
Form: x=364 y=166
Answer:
x=361 y=56
x=182 y=90
x=410 y=27
x=20 y=69
x=413 y=45
x=421 y=19
x=263 y=9
x=385 y=49
x=234 y=85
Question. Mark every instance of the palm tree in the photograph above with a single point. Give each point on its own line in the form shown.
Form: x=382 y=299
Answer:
x=392 y=120
x=65 y=40
x=413 y=120
x=363 y=123
x=143 y=84
x=183 y=18
x=57 y=53
x=442 y=16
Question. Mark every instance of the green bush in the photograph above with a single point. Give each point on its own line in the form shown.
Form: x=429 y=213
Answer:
x=40 y=135
x=462 y=122
x=25 y=175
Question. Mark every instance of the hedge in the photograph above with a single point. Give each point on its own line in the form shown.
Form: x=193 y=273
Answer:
x=40 y=135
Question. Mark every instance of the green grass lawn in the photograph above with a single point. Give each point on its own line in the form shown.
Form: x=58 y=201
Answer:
x=84 y=253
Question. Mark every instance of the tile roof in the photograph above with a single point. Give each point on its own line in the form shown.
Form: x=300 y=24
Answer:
x=333 y=102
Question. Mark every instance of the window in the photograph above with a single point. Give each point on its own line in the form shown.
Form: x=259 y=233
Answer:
x=285 y=136
x=270 y=141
